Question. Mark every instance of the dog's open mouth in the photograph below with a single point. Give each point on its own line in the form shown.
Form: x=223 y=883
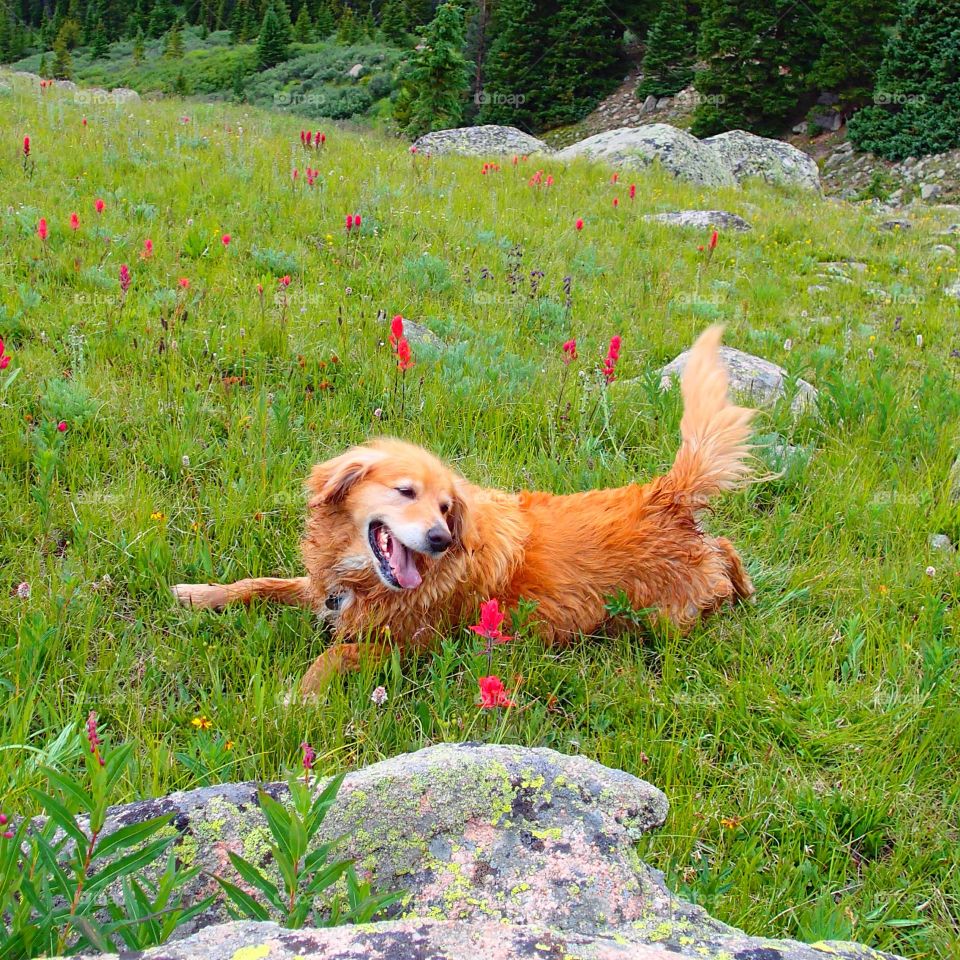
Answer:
x=397 y=562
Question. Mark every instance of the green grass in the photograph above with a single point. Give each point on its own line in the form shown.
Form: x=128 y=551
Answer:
x=809 y=744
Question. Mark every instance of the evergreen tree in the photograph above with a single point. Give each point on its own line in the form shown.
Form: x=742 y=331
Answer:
x=173 y=41
x=758 y=54
x=43 y=70
x=324 y=22
x=303 y=28
x=670 y=53
x=854 y=35
x=239 y=85
x=162 y=18
x=419 y=12
x=581 y=63
x=512 y=70
x=139 y=48
x=99 y=44
x=393 y=22
x=62 y=61
x=439 y=74
x=917 y=97
x=70 y=33
x=349 y=30
x=272 y=42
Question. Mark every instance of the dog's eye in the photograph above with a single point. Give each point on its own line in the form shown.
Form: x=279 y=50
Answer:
x=407 y=492
x=444 y=507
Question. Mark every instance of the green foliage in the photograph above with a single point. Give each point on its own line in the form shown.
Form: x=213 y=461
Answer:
x=59 y=881
x=62 y=61
x=393 y=21
x=139 y=49
x=349 y=27
x=437 y=79
x=273 y=41
x=758 y=55
x=324 y=22
x=173 y=42
x=917 y=97
x=306 y=869
x=670 y=51
x=303 y=28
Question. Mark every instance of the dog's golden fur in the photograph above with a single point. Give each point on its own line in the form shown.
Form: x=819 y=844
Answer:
x=568 y=554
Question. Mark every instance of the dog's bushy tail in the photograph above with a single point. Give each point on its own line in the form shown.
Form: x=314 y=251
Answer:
x=714 y=454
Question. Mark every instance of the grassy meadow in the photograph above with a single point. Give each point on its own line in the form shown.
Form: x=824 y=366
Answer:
x=809 y=744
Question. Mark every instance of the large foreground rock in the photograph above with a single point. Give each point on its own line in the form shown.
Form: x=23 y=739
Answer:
x=758 y=380
x=746 y=156
x=701 y=219
x=489 y=140
x=676 y=150
x=503 y=852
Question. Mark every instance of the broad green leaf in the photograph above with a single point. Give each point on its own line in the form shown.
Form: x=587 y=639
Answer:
x=59 y=814
x=69 y=788
x=129 y=864
x=278 y=819
x=256 y=879
x=129 y=835
x=251 y=909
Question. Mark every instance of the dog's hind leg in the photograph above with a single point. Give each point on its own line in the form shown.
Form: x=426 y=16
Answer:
x=213 y=596
x=743 y=588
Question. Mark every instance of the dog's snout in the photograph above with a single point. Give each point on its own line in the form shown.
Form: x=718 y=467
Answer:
x=439 y=538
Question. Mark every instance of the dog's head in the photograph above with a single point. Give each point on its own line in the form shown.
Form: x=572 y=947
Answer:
x=401 y=503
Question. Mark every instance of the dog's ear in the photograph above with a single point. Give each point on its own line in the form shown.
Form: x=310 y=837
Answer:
x=330 y=482
x=459 y=518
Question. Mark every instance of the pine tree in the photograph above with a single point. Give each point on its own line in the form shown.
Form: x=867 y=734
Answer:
x=100 y=45
x=349 y=30
x=324 y=22
x=511 y=84
x=303 y=28
x=917 y=97
x=272 y=41
x=439 y=74
x=139 y=48
x=173 y=41
x=854 y=35
x=671 y=49
x=581 y=65
x=62 y=61
x=393 y=22
x=44 y=69
x=162 y=18
x=758 y=55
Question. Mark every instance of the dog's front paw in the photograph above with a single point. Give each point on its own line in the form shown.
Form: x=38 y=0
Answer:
x=206 y=596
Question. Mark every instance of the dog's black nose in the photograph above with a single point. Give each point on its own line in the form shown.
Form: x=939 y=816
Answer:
x=439 y=538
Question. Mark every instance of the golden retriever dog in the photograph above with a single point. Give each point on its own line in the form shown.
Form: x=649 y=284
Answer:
x=398 y=545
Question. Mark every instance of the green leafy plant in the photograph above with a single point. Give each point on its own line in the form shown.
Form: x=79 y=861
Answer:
x=306 y=870
x=60 y=877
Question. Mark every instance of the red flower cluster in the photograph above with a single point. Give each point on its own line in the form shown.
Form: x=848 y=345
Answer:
x=493 y=693
x=396 y=330
x=714 y=237
x=491 y=621
x=99 y=205
x=616 y=202
x=539 y=180
x=4 y=357
x=147 y=249
x=579 y=224
x=569 y=352
x=633 y=190
x=74 y=221
x=42 y=231
x=26 y=147
x=92 y=736
x=310 y=139
x=124 y=277
x=284 y=281
x=311 y=176
x=610 y=361
x=225 y=239
x=490 y=168
x=353 y=221
x=614 y=178
x=400 y=344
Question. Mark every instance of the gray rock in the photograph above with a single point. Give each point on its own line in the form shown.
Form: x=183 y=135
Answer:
x=953 y=290
x=649 y=105
x=664 y=102
x=828 y=121
x=746 y=156
x=944 y=250
x=677 y=151
x=480 y=141
x=356 y=71
x=930 y=191
x=757 y=379
x=940 y=541
x=504 y=852
x=896 y=225
x=955 y=481
x=701 y=219
x=124 y=95
x=65 y=85
x=417 y=334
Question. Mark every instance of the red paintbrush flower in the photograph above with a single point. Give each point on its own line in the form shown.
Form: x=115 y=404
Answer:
x=396 y=330
x=614 y=178
x=491 y=620
x=610 y=361
x=4 y=357
x=225 y=239
x=26 y=147
x=42 y=229
x=633 y=190
x=349 y=222
x=569 y=352
x=714 y=237
x=493 y=693
x=74 y=221
x=147 y=249
x=616 y=201
x=404 y=356
x=284 y=281
x=579 y=224
x=124 y=277
x=99 y=205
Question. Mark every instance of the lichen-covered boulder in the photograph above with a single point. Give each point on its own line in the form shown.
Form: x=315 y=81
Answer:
x=422 y=939
x=746 y=155
x=701 y=219
x=676 y=150
x=757 y=380
x=124 y=95
x=502 y=851
x=485 y=141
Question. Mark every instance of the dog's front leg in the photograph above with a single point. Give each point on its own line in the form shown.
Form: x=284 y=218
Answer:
x=338 y=659
x=213 y=596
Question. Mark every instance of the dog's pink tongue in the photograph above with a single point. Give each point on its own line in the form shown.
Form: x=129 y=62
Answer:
x=404 y=566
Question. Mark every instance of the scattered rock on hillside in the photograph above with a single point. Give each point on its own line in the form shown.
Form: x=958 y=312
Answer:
x=953 y=290
x=753 y=377
x=701 y=219
x=747 y=155
x=955 y=481
x=683 y=155
x=65 y=85
x=416 y=333
x=940 y=541
x=503 y=851
x=124 y=95
x=480 y=141
x=896 y=225
x=356 y=71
